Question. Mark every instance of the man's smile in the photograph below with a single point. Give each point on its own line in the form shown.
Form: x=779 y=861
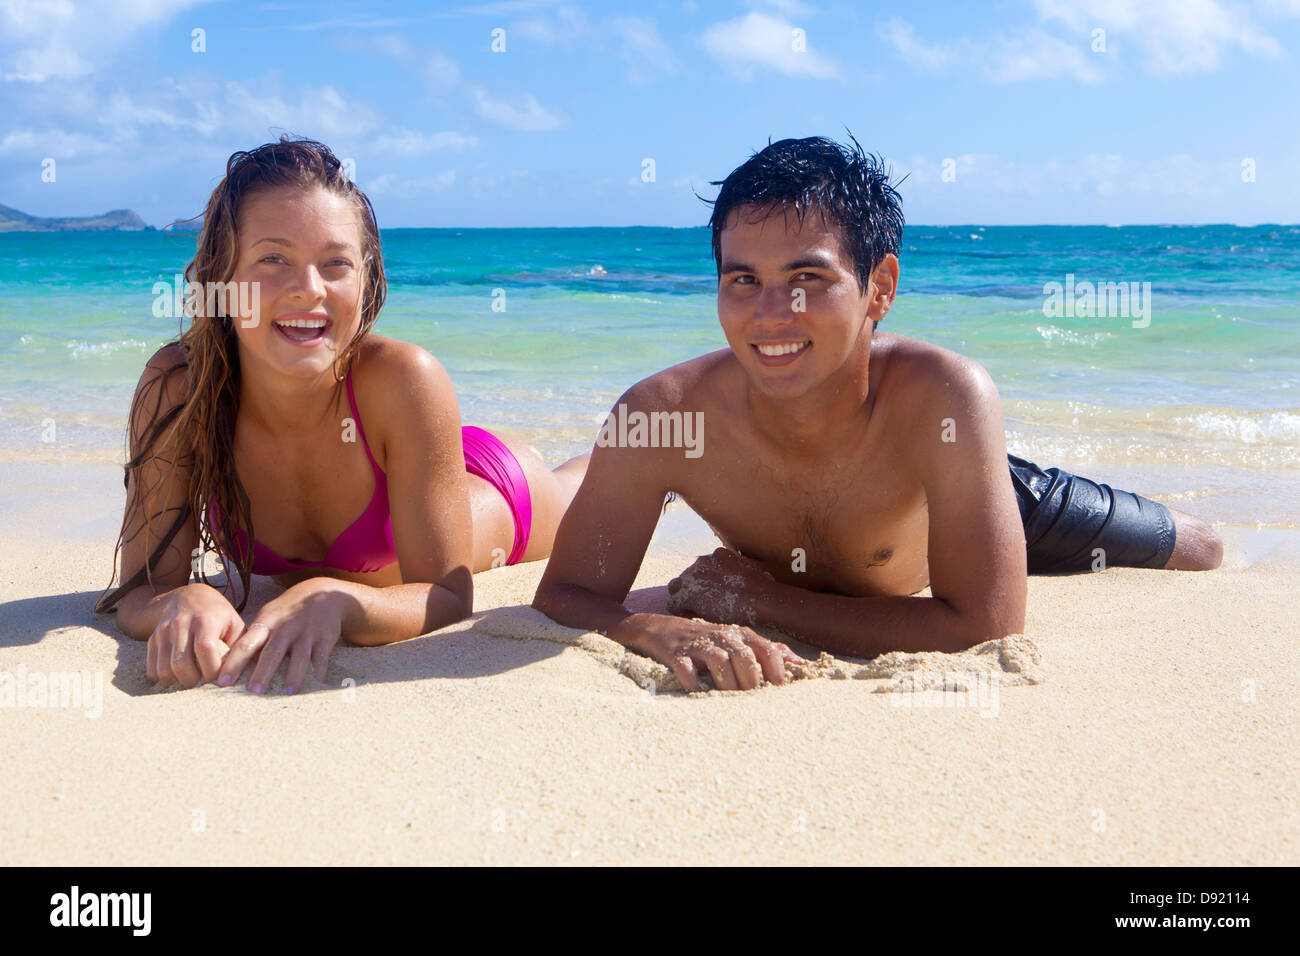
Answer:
x=781 y=353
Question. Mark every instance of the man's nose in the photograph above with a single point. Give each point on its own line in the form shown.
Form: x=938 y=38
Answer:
x=775 y=304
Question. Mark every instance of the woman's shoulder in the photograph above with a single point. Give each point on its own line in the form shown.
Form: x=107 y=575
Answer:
x=396 y=377
x=167 y=367
x=391 y=365
x=171 y=356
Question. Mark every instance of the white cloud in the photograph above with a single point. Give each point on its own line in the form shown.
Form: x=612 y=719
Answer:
x=1027 y=54
x=1173 y=36
x=323 y=113
x=633 y=39
x=440 y=72
x=67 y=118
x=902 y=36
x=392 y=186
x=411 y=143
x=1036 y=54
x=40 y=41
x=443 y=76
x=56 y=143
x=1164 y=37
x=642 y=49
x=524 y=114
x=564 y=26
x=389 y=45
x=1104 y=175
x=791 y=8
x=761 y=40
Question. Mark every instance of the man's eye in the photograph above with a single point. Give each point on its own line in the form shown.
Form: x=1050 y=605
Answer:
x=807 y=276
x=744 y=280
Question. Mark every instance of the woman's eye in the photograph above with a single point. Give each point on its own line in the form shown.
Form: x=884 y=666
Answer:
x=269 y=258
x=340 y=262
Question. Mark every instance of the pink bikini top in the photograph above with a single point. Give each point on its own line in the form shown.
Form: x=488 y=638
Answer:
x=365 y=545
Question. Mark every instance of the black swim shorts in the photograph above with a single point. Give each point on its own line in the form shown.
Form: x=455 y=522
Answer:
x=1068 y=518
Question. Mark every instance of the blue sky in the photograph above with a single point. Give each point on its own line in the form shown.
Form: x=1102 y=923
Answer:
x=1037 y=116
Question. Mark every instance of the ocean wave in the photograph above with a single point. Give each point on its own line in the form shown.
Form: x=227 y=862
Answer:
x=1053 y=335
x=1084 y=451
x=1249 y=428
x=79 y=349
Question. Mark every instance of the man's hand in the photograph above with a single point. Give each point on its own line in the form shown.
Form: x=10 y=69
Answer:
x=303 y=624
x=735 y=657
x=723 y=587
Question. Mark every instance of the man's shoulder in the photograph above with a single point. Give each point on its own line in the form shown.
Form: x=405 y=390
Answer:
x=688 y=384
x=926 y=372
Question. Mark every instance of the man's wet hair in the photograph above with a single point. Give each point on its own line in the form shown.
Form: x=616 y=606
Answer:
x=851 y=189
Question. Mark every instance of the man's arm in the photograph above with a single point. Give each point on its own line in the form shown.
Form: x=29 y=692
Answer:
x=603 y=536
x=598 y=550
x=976 y=541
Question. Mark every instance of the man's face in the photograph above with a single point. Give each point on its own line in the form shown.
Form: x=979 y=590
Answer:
x=789 y=301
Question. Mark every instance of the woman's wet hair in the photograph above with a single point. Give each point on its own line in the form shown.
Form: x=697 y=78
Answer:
x=199 y=431
x=851 y=190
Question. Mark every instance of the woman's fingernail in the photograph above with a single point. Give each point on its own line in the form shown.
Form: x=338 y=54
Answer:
x=224 y=680
x=289 y=690
x=255 y=688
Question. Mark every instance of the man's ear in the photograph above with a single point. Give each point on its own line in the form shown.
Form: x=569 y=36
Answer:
x=884 y=283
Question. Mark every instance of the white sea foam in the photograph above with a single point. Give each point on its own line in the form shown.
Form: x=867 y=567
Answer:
x=79 y=349
x=1052 y=334
x=1251 y=428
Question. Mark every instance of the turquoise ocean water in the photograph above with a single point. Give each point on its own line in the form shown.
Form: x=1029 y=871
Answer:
x=1201 y=408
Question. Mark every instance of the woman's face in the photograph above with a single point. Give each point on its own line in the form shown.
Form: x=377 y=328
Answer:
x=302 y=248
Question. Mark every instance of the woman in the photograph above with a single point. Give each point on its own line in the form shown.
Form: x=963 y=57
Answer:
x=294 y=443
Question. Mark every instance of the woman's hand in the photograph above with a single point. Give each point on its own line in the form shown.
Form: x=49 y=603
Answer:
x=189 y=642
x=303 y=624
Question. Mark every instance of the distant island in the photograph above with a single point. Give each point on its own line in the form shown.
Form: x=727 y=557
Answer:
x=115 y=220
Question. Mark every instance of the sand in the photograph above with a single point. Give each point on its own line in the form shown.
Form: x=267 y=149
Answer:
x=1143 y=718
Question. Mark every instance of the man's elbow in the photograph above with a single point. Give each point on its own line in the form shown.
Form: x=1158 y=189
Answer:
x=545 y=599
x=974 y=627
x=560 y=602
x=993 y=627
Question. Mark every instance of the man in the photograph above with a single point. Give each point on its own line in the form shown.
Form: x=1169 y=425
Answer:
x=844 y=470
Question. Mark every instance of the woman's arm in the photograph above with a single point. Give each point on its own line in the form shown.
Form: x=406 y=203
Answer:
x=187 y=625
x=156 y=496
x=415 y=434
x=428 y=495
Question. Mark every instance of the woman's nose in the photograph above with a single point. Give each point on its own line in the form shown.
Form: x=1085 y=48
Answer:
x=308 y=283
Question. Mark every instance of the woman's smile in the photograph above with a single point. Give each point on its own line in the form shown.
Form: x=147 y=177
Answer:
x=304 y=329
